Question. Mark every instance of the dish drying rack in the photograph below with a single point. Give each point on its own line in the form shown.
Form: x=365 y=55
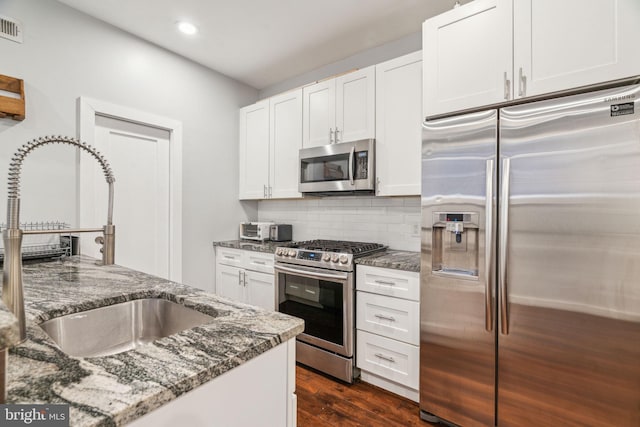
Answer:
x=44 y=246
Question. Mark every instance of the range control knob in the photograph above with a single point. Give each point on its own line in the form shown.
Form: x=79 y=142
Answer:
x=335 y=257
x=326 y=257
x=343 y=259
x=279 y=251
x=292 y=252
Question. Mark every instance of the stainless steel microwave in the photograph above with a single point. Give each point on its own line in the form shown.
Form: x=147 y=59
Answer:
x=347 y=168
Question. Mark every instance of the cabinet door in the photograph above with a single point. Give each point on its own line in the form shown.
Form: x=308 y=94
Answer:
x=355 y=105
x=467 y=57
x=229 y=283
x=258 y=261
x=399 y=125
x=394 y=318
x=319 y=109
x=254 y=150
x=565 y=44
x=260 y=289
x=286 y=141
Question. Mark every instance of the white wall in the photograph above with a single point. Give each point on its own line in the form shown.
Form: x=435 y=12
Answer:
x=393 y=221
x=402 y=46
x=67 y=54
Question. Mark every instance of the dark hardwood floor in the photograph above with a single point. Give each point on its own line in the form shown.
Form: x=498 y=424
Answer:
x=323 y=401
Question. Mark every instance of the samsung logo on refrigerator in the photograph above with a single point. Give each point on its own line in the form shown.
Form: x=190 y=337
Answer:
x=620 y=98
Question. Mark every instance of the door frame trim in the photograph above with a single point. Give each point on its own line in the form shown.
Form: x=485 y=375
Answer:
x=87 y=109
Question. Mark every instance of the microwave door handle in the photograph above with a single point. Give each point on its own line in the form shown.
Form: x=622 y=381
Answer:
x=351 y=168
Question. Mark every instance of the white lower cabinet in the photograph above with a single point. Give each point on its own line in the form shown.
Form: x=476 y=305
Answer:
x=393 y=360
x=388 y=329
x=266 y=384
x=245 y=276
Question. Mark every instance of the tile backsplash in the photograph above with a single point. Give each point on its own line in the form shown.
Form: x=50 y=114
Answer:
x=393 y=221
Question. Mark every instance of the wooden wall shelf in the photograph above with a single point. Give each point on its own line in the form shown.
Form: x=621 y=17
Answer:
x=12 y=107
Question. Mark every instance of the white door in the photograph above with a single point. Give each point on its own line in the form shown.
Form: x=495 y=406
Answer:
x=139 y=157
x=467 y=57
x=399 y=125
x=285 y=141
x=565 y=44
x=260 y=288
x=355 y=105
x=254 y=151
x=228 y=282
x=319 y=109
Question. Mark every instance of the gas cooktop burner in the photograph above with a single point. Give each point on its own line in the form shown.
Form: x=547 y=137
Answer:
x=339 y=246
x=328 y=254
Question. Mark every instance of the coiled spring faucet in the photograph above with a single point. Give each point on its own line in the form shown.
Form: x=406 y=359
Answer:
x=12 y=293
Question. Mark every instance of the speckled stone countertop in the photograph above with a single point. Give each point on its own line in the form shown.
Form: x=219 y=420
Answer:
x=114 y=390
x=399 y=260
x=8 y=328
x=269 y=247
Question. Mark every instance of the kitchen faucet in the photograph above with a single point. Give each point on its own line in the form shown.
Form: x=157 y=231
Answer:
x=12 y=292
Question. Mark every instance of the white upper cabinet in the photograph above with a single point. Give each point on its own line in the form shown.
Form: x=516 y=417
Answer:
x=570 y=43
x=355 y=105
x=270 y=137
x=467 y=57
x=399 y=125
x=341 y=109
x=490 y=51
x=254 y=150
x=319 y=108
x=285 y=142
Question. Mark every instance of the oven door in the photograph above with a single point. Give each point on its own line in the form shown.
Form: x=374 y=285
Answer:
x=324 y=300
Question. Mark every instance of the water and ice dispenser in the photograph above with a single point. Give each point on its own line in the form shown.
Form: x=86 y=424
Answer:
x=455 y=243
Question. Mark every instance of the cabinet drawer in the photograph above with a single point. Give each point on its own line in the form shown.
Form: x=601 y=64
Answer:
x=228 y=256
x=394 y=360
x=384 y=281
x=258 y=261
x=390 y=317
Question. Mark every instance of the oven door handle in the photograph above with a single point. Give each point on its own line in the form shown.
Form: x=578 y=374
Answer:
x=313 y=274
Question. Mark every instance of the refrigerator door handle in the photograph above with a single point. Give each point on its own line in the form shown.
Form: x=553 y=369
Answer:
x=504 y=228
x=488 y=256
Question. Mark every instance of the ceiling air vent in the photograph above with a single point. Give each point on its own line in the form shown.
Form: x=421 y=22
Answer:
x=10 y=29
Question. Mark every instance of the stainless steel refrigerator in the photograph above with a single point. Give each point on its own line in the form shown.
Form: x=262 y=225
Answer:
x=530 y=269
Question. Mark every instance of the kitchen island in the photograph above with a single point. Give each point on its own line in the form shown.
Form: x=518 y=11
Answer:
x=121 y=388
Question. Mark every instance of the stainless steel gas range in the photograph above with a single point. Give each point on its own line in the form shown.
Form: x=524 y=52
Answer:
x=315 y=281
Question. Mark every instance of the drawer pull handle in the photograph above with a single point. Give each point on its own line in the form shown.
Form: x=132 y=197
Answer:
x=383 y=357
x=310 y=292
x=259 y=262
x=383 y=317
x=229 y=257
x=385 y=282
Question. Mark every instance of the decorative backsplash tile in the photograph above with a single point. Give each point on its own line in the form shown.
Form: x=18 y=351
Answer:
x=393 y=221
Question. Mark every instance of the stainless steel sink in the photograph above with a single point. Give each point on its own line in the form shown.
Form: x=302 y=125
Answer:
x=120 y=327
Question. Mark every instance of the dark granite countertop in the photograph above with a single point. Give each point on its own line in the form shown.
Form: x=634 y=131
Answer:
x=9 y=334
x=391 y=258
x=249 y=245
x=116 y=389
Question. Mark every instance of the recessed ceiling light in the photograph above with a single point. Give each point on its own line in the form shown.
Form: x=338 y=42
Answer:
x=187 y=28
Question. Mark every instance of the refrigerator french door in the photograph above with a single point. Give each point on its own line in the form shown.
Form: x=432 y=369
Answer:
x=530 y=310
